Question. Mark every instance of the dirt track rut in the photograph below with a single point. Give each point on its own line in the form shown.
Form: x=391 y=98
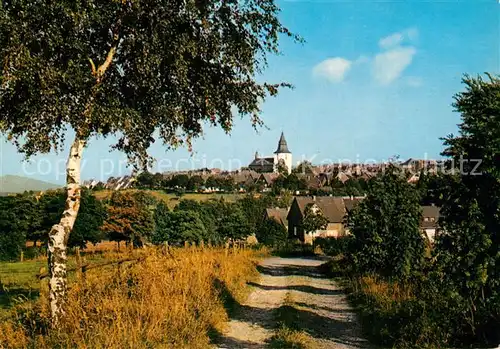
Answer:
x=318 y=303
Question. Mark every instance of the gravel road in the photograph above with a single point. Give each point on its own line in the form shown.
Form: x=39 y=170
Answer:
x=319 y=304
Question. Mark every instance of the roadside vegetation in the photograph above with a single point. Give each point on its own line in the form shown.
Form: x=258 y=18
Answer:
x=289 y=333
x=412 y=294
x=174 y=298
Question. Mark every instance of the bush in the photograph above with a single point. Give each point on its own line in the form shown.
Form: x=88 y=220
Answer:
x=293 y=248
x=272 y=233
x=332 y=246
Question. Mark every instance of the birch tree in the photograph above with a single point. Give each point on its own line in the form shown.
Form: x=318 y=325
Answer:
x=131 y=69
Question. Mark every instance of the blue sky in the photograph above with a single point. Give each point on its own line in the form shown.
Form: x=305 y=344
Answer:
x=373 y=79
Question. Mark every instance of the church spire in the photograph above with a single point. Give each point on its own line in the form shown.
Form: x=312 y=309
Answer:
x=282 y=146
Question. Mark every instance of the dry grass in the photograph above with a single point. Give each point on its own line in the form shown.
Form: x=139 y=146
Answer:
x=385 y=293
x=290 y=334
x=293 y=339
x=171 y=300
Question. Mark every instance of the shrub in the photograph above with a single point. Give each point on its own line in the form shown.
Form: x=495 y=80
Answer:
x=272 y=233
x=332 y=246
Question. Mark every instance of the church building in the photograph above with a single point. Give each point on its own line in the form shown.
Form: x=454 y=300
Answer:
x=282 y=156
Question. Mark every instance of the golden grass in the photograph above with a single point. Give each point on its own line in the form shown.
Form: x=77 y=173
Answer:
x=173 y=299
x=290 y=335
x=384 y=292
x=293 y=339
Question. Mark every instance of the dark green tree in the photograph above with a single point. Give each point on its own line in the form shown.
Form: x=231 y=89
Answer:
x=281 y=167
x=271 y=233
x=179 y=226
x=195 y=182
x=234 y=226
x=253 y=209
x=467 y=248
x=16 y=213
x=89 y=221
x=145 y=180
x=130 y=68
x=353 y=187
x=294 y=182
x=179 y=181
x=278 y=184
x=305 y=167
x=386 y=237
x=209 y=213
x=213 y=182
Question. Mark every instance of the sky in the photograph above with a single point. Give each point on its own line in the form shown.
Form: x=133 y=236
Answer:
x=373 y=79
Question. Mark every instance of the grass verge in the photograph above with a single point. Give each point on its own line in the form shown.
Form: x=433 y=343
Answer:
x=170 y=300
x=289 y=334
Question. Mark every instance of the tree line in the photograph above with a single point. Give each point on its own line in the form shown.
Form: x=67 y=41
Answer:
x=137 y=218
x=295 y=181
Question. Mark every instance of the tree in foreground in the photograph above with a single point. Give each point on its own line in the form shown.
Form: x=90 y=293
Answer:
x=386 y=237
x=129 y=68
x=467 y=249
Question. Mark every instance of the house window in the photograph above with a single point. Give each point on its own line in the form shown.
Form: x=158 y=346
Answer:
x=295 y=231
x=432 y=219
x=426 y=219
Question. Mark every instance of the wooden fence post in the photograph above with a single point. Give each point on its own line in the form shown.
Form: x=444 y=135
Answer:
x=78 y=263
x=84 y=270
x=22 y=256
x=40 y=272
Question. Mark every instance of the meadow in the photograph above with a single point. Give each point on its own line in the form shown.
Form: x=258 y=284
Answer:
x=174 y=298
x=172 y=199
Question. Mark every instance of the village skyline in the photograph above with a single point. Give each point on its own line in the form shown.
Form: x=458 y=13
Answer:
x=370 y=82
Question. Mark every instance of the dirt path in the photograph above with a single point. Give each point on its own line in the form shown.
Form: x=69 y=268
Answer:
x=317 y=303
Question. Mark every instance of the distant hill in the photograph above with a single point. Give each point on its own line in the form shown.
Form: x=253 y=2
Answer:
x=18 y=184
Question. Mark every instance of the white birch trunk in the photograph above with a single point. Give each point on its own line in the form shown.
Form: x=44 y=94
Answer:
x=59 y=234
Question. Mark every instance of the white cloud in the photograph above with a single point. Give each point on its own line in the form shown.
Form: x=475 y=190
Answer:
x=412 y=34
x=396 y=39
x=332 y=69
x=389 y=65
x=391 y=40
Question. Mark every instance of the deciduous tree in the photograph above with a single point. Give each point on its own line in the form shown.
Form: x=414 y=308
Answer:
x=468 y=247
x=176 y=227
x=129 y=219
x=129 y=68
x=386 y=237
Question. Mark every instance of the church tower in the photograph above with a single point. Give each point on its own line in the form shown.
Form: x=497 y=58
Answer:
x=283 y=154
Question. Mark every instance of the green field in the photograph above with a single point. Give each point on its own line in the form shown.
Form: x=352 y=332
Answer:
x=18 y=281
x=172 y=200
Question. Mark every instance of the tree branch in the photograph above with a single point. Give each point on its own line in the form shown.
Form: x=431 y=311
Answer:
x=103 y=67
